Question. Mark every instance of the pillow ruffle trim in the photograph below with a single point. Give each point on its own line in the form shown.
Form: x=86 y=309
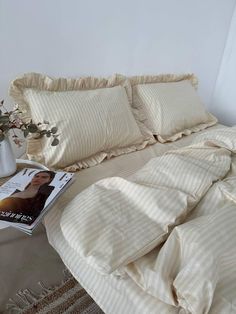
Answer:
x=46 y=83
x=163 y=78
x=163 y=139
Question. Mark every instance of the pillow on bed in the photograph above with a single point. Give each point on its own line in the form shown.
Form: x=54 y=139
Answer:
x=93 y=116
x=171 y=105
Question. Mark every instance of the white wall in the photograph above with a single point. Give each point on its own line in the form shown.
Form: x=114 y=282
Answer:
x=224 y=98
x=78 y=37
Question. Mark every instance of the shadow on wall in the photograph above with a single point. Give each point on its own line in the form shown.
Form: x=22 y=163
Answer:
x=224 y=97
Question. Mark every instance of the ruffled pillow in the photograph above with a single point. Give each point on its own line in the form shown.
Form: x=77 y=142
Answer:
x=93 y=115
x=171 y=105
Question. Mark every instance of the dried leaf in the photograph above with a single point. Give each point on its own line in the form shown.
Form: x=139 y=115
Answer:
x=5 y=128
x=2 y=137
x=26 y=132
x=55 y=142
x=4 y=119
x=32 y=128
x=54 y=130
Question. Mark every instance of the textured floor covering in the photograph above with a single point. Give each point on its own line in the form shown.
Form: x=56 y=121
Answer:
x=68 y=297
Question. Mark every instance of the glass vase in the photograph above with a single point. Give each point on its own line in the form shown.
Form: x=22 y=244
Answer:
x=7 y=158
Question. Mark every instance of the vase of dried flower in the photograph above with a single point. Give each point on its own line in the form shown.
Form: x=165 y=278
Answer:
x=7 y=158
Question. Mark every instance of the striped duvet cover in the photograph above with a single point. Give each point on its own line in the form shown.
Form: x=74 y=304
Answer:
x=167 y=230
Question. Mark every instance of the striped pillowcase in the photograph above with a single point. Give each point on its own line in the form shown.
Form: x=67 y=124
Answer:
x=94 y=119
x=171 y=105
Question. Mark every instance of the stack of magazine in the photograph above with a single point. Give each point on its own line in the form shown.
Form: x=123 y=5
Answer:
x=28 y=195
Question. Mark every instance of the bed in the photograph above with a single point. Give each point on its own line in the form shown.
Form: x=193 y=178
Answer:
x=178 y=257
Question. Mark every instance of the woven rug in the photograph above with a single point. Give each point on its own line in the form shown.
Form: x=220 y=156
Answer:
x=69 y=297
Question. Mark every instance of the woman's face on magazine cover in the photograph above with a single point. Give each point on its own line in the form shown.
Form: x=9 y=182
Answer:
x=40 y=178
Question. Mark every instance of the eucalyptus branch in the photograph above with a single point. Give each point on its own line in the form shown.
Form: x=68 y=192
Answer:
x=11 y=120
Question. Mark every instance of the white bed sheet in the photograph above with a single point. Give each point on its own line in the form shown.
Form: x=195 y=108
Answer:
x=113 y=294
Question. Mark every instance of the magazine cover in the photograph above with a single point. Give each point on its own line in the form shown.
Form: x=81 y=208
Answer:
x=25 y=197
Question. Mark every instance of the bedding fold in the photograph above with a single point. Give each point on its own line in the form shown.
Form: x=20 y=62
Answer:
x=193 y=269
x=116 y=221
x=133 y=292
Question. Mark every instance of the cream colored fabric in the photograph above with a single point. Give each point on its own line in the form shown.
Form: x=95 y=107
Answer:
x=115 y=294
x=88 y=121
x=121 y=220
x=172 y=108
x=94 y=119
x=195 y=269
x=163 y=78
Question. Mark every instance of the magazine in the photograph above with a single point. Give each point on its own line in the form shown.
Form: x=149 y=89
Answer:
x=27 y=196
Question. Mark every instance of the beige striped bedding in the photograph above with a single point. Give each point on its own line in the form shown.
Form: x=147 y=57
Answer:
x=94 y=116
x=121 y=220
x=83 y=108
x=171 y=109
x=195 y=269
x=206 y=253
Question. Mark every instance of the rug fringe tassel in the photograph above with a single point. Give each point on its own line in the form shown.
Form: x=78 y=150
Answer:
x=67 y=275
x=45 y=290
x=13 y=307
x=27 y=297
x=24 y=298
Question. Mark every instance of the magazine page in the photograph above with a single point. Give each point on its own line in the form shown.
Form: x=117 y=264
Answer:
x=25 y=197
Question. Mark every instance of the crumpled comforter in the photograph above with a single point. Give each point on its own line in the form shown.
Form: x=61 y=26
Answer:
x=170 y=226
